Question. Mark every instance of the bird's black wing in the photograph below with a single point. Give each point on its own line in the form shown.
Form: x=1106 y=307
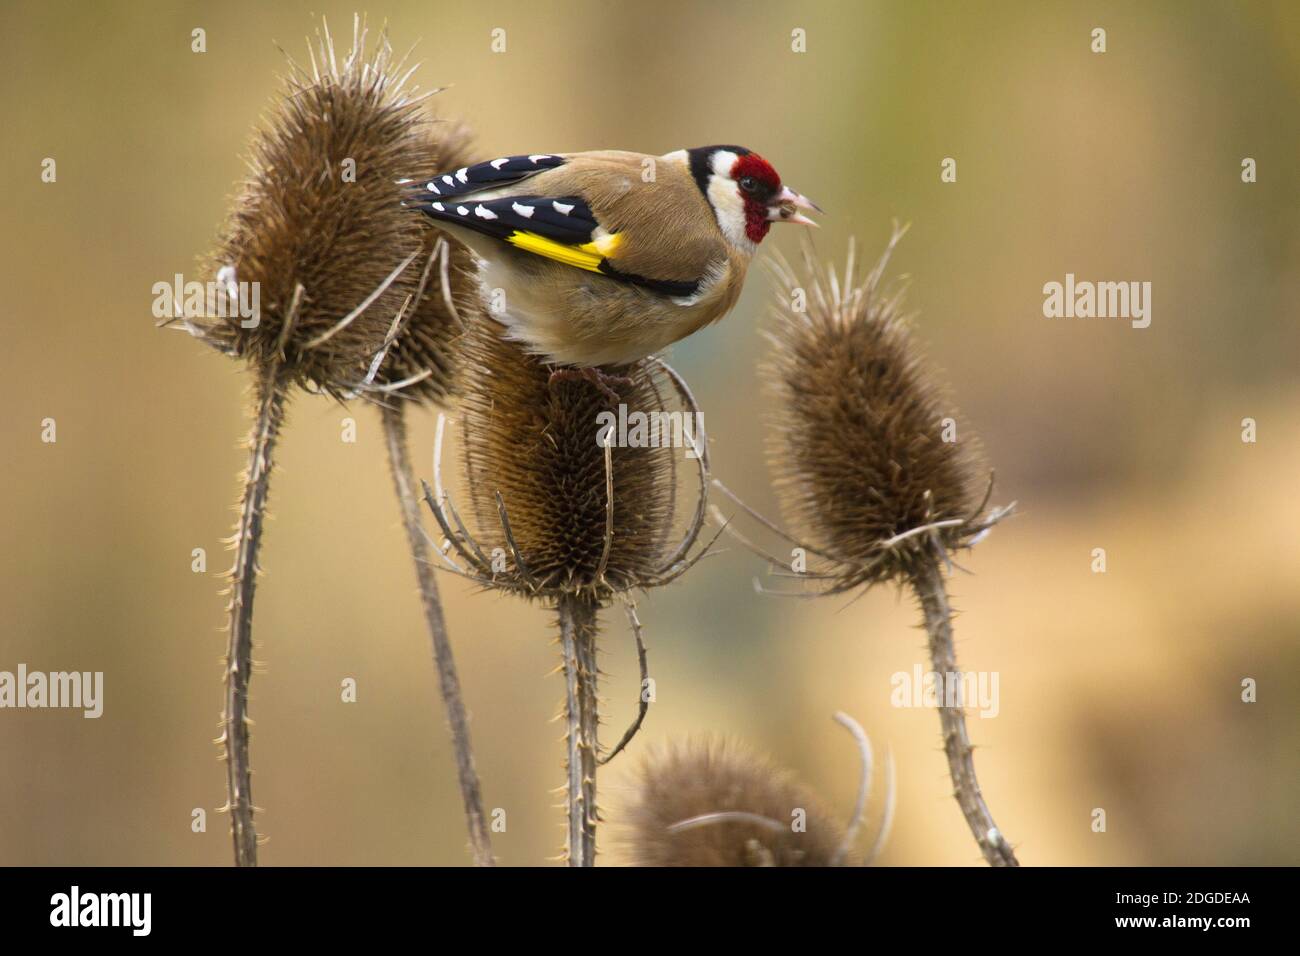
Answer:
x=562 y=228
x=566 y=221
x=489 y=175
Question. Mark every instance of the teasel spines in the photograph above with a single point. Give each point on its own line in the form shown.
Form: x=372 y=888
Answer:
x=423 y=361
x=319 y=222
x=532 y=449
x=857 y=444
x=712 y=802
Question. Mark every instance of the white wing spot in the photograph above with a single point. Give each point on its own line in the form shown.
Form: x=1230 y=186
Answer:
x=433 y=188
x=462 y=210
x=521 y=209
x=438 y=206
x=449 y=181
x=498 y=163
x=461 y=174
x=563 y=208
x=538 y=157
x=484 y=213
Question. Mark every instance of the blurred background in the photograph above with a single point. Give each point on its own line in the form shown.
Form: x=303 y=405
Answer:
x=1119 y=691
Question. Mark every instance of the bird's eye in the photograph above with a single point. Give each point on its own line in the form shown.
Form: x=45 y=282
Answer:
x=749 y=184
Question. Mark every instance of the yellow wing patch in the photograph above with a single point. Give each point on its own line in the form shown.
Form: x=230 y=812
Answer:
x=586 y=256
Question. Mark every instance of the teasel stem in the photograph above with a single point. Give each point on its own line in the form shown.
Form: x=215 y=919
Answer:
x=270 y=394
x=578 y=630
x=929 y=586
x=448 y=681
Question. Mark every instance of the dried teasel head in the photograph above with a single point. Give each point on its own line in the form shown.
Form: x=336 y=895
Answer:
x=573 y=476
x=862 y=464
x=423 y=360
x=558 y=512
x=711 y=802
x=319 y=224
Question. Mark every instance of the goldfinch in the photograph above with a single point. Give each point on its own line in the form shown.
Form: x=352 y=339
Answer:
x=603 y=258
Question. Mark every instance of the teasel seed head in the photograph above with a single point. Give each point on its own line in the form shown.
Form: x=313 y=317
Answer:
x=319 y=223
x=712 y=802
x=531 y=448
x=857 y=444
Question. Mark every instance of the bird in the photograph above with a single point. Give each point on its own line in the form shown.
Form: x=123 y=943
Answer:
x=602 y=258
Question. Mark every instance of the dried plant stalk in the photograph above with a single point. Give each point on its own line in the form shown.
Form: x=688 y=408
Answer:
x=422 y=365
x=270 y=395
x=578 y=633
x=929 y=587
x=448 y=680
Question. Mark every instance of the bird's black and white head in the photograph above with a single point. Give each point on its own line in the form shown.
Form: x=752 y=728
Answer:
x=745 y=192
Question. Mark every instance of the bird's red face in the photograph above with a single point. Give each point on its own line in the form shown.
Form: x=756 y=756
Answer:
x=757 y=183
x=746 y=192
x=766 y=200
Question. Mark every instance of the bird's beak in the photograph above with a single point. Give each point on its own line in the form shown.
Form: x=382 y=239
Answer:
x=786 y=205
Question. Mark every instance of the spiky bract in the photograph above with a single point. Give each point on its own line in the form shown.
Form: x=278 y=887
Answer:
x=425 y=358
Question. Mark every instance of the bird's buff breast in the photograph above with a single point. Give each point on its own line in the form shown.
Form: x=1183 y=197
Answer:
x=584 y=319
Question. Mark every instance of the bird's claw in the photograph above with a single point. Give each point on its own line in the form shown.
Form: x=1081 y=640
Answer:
x=596 y=377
